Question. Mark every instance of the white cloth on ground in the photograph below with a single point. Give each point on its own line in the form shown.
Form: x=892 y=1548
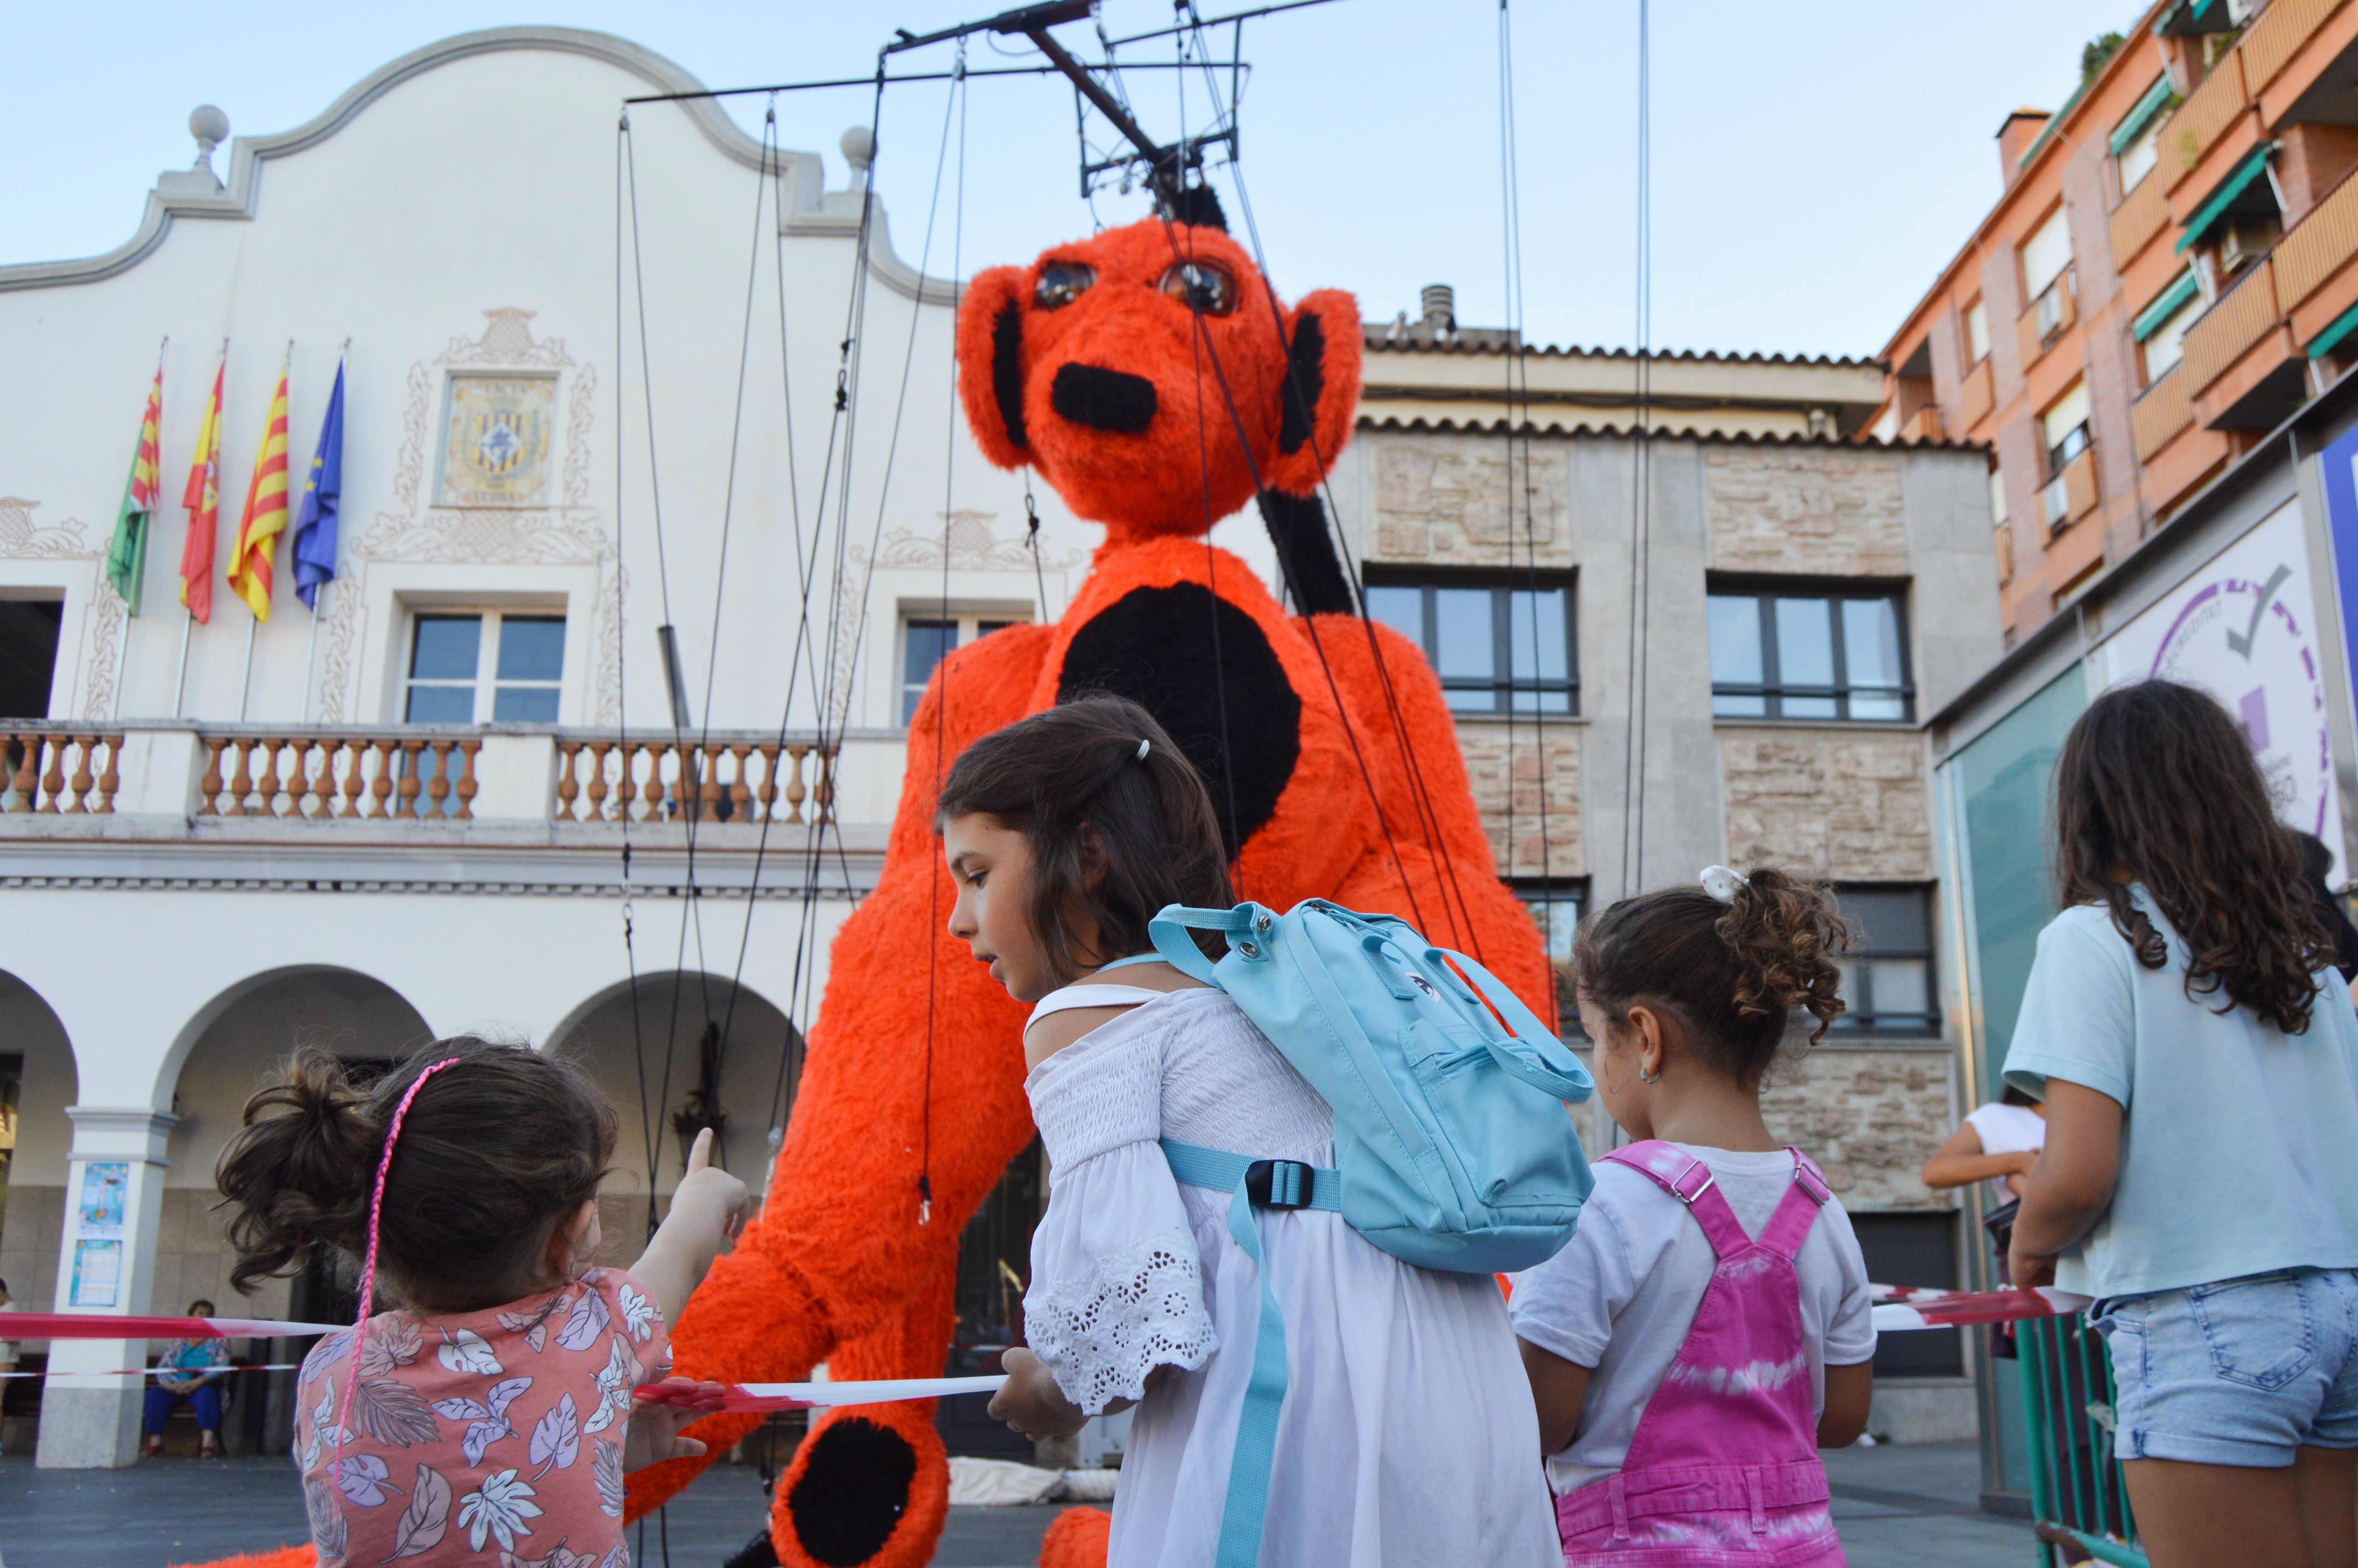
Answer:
x=1407 y=1436
x=1621 y=1295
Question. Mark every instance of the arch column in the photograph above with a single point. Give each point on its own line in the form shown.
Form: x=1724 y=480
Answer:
x=106 y=1265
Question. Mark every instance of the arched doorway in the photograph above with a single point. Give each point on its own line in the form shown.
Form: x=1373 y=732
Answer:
x=242 y=1036
x=37 y=1081
x=671 y=1054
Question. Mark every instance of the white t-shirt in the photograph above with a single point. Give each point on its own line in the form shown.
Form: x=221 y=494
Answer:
x=2006 y=1130
x=1621 y=1295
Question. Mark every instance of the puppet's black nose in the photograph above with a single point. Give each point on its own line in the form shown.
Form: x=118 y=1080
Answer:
x=1103 y=399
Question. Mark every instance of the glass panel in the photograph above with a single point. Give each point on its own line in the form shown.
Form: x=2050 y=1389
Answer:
x=1903 y=988
x=525 y=704
x=922 y=644
x=1735 y=643
x=1557 y=915
x=1848 y=989
x=1871 y=642
x=1543 y=702
x=1888 y=919
x=1537 y=645
x=1874 y=706
x=441 y=705
x=1471 y=699
x=1806 y=708
x=1465 y=641
x=1726 y=706
x=445 y=647
x=531 y=647
x=1805 y=645
x=1402 y=609
x=985 y=628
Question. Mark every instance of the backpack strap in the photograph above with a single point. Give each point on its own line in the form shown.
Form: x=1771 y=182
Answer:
x=1269 y=1183
x=1690 y=1180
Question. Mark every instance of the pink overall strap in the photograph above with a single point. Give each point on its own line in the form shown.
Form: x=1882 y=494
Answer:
x=1690 y=1180
x=1789 y=1226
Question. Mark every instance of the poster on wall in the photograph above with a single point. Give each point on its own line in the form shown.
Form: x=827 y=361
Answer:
x=2242 y=628
x=98 y=1233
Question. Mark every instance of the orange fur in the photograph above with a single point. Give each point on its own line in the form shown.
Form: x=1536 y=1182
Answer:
x=1077 y=1540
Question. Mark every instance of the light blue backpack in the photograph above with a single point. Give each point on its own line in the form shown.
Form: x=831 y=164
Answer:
x=1452 y=1146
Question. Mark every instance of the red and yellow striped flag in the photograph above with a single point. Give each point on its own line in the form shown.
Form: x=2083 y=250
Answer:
x=265 y=512
x=146 y=481
x=203 y=499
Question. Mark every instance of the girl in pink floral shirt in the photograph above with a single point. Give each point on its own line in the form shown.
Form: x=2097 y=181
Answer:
x=489 y=1418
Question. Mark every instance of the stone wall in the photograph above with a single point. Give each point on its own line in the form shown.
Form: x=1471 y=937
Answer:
x=1463 y=501
x=1869 y=1115
x=1851 y=805
x=1544 y=772
x=29 y=1241
x=1818 y=511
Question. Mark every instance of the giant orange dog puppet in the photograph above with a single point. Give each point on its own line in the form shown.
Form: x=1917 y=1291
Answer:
x=1152 y=377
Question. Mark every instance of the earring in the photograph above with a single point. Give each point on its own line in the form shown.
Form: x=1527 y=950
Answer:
x=1644 y=1079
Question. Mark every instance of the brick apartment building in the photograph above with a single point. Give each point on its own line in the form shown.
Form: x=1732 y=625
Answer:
x=2171 y=271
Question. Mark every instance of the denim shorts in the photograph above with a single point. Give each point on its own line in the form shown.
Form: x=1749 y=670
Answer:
x=2237 y=1372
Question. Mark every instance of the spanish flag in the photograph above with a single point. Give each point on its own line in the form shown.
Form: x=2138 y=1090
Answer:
x=126 y=553
x=265 y=512
x=203 y=499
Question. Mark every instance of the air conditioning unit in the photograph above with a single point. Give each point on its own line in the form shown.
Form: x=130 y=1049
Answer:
x=2246 y=242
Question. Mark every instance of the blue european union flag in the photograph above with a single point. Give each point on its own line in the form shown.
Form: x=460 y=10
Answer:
x=323 y=493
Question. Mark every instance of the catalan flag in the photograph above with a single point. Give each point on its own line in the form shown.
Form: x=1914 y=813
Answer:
x=126 y=554
x=265 y=512
x=202 y=500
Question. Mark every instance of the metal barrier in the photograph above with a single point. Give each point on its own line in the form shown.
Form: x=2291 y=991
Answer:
x=2078 y=1504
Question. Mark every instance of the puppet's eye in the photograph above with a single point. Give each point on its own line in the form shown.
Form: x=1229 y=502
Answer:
x=1201 y=285
x=1061 y=283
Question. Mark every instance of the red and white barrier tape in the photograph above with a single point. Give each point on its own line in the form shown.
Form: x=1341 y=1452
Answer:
x=106 y=1325
x=151 y=1371
x=809 y=1396
x=1901 y=1308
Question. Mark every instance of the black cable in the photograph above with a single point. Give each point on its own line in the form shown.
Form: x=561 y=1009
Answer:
x=622 y=693
x=1633 y=794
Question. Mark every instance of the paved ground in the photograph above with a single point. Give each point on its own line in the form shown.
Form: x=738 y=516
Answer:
x=1896 y=1508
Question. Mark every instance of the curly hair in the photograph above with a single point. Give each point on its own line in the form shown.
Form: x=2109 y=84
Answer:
x=2156 y=784
x=1733 y=973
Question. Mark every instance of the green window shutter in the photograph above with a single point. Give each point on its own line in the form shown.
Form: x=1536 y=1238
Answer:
x=2157 y=98
x=2149 y=320
x=2250 y=169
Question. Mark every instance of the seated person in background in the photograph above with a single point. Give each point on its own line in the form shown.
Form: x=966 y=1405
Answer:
x=2000 y=1140
x=200 y=1361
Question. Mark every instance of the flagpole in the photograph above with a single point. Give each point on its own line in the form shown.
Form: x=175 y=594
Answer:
x=311 y=651
x=122 y=650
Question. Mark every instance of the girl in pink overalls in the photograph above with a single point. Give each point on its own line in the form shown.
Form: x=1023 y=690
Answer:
x=1708 y=1328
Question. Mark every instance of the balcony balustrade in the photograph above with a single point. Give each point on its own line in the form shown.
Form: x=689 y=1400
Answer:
x=406 y=776
x=2241 y=317
x=2164 y=410
x=2143 y=213
x=736 y=780
x=62 y=772
x=2319 y=246
x=1974 y=396
x=2277 y=36
x=2202 y=119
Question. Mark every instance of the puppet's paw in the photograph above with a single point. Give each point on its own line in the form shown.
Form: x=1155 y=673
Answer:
x=1077 y=1540
x=869 y=1489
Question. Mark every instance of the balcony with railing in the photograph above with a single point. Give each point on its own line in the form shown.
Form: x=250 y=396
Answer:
x=2240 y=366
x=2049 y=316
x=1974 y=396
x=439 y=780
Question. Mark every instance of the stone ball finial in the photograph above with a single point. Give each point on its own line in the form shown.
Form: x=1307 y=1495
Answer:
x=210 y=128
x=858 y=146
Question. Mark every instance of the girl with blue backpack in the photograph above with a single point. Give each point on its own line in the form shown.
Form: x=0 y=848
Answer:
x=1404 y=1432
x=1708 y=1328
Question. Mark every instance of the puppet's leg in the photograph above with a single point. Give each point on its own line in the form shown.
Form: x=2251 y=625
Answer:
x=1410 y=739
x=871 y=1484
x=913 y=1084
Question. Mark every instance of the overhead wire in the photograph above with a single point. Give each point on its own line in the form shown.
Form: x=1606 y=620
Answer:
x=1633 y=777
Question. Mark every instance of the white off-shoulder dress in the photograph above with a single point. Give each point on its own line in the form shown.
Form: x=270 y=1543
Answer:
x=1407 y=1437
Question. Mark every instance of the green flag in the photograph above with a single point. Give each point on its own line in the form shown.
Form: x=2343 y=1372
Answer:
x=126 y=553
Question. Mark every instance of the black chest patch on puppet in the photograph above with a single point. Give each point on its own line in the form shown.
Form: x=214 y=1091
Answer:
x=1176 y=651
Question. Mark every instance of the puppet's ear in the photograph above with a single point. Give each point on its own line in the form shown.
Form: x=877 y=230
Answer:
x=1320 y=391
x=991 y=365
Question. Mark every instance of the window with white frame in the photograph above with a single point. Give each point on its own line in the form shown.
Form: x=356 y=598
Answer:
x=1976 y=332
x=1998 y=495
x=479 y=667
x=2160 y=328
x=2136 y=140
x=2045 y=254
x=927 y=638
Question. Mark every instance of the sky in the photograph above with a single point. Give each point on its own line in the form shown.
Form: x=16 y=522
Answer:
x=1813 y=164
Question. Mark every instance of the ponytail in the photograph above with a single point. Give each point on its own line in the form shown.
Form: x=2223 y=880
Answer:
x=1733 y=973
x=299 y=1169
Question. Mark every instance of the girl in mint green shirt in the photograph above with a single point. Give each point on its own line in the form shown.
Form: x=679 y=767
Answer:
x=2198 y=1055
